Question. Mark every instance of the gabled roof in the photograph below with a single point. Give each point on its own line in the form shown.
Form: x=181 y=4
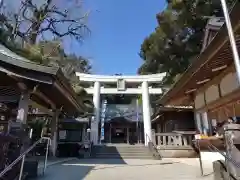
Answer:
x=172 y=109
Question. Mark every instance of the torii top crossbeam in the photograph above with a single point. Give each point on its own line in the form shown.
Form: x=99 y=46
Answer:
x=153 y=78
x=122 y=83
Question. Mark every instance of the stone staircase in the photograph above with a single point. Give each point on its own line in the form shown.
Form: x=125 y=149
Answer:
x=121 y=151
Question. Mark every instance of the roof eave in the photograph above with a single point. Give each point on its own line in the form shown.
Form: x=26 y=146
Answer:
x=67 y=86
x=54 y=73
x=204 y=56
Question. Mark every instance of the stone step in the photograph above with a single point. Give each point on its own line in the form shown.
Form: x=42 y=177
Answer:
x=119 y=149
x=122 y=151
x=122 y=145
x=130 y=149
x=122 y=157
x=122 y=154
x=129 y=154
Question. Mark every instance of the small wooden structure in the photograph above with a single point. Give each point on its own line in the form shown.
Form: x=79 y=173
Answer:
x=23 y=82
x=173 y=131
x=173 y=118
x=71 y=136
x=43 y=85
x=122 y=130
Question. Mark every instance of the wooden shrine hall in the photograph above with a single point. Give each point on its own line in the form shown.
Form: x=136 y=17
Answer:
x=23 y=82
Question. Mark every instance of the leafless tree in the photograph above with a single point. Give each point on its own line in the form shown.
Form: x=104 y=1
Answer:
x=52 y=18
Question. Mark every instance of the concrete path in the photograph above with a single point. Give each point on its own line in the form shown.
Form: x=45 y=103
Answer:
x=53 y=161
x=129 y=169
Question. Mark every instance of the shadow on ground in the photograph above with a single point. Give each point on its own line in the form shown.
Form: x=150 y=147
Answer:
x=65 y=172
x=135 y=165
x=117 y=161
x=110 y=169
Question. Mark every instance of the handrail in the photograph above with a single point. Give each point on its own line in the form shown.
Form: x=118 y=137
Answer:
x=90 y=149
x=211 y=147
x=154 y=146
x=90 y=143
x=22 y=157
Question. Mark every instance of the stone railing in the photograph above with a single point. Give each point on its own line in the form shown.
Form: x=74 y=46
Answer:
x=174 y=140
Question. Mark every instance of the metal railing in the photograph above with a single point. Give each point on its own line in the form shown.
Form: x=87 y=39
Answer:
x=90 y=149
x=227 y=158
x=213 y=148
x=23 y=155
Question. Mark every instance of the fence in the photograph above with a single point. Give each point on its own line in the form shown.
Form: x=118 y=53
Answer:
x=174 y=140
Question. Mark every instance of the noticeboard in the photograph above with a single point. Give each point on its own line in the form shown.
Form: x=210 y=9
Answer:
x=62 y=134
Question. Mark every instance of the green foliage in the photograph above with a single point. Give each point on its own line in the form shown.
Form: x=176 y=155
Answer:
x=178 y=38
x=27 y=53
x=37 y=125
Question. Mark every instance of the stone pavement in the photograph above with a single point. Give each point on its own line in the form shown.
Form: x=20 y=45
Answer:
x=128 y=169
x=52 y=161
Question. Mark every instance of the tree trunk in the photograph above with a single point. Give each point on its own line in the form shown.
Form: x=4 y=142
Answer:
x=32 y=38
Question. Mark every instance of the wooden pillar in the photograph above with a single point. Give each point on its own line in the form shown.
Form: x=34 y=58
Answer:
x=127 y=134
x=159 y=128
x=110 y=133
x=54 y=132
x=21 y=120
x=140 y=132
x=84 y=132
x=137 y=131
x=18 y=127
x=23 y=108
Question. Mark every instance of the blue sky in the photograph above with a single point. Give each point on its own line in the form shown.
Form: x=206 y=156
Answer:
x=118 y=29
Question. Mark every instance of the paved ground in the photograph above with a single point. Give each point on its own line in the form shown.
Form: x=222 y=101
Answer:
x=131 y=169
x=51 y=161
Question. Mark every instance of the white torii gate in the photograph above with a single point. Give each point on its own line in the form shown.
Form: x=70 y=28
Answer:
x=142 y=87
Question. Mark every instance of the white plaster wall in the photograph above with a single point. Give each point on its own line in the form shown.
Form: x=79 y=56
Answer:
x=212 y=94
x=229 y=83
x=199 y=101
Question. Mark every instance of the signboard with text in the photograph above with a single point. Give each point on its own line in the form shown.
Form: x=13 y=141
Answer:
x=103 y=114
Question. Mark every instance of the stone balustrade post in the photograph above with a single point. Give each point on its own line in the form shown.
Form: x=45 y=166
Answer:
x=232 y=140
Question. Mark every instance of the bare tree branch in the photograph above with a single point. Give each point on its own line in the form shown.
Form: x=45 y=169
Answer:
x=34 y=20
